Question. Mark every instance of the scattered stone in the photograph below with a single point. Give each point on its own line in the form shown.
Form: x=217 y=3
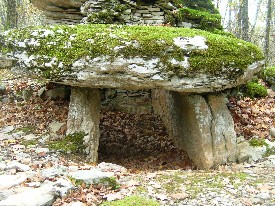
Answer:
x=41 y=91
x=161 y=197
x=76 y=204
x=2 y=89
x=110 y=167
x=264 y=195
x=33 y=184
x=7 y=129
x=18 y=166
x=180 y=196
x=40 y=196
x=54 y=171
x=112 y=197
x=55 y=126
x=30 y=137
x=91 y=176
x=8 y=181
x=272 y=131
x=247 y=152
x=40 y=150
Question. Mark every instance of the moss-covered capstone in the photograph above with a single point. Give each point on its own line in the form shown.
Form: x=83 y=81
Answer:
x=132 y=57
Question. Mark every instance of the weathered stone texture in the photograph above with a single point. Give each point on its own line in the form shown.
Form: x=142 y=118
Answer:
x=60 y=11
x=129 y=101
x=222 y=130
x=201 y=126
x=84 y=116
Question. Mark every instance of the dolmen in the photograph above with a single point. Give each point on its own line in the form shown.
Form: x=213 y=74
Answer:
x=187 y=71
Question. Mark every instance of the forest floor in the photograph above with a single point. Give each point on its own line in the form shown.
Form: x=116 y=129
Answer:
x=155 y=166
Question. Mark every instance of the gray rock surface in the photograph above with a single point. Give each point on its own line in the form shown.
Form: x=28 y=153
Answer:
x=202 y=126
x=40 y=197
x=91 y=176
x=8 y=181
x=84 y=116
x=55 y=126
x=248 y=153
x=62 y=92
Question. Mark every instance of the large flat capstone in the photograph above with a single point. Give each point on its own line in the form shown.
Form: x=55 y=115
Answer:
x=131 y=57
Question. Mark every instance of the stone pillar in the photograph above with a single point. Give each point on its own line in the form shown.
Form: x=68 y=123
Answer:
x=222 y=129
x=202 y=126
x=84 y=116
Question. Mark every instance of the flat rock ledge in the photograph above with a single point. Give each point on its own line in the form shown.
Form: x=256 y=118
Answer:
x=180 y=65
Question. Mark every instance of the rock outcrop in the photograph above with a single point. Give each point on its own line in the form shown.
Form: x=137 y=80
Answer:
x=59 y=11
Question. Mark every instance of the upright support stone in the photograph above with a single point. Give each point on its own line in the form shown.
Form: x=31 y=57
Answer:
x=202 y=126
x=84 y=116
x=222 y=129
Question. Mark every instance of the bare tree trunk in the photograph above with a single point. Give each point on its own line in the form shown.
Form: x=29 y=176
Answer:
x=267 y=30
x=245 y=20
x=229 y=6
x=239 y=20
x=256 y=19
x=12 y=16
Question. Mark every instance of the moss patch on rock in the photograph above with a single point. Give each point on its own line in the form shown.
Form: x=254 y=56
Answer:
x=199 y=19
x=72 y=143
x=53 y=50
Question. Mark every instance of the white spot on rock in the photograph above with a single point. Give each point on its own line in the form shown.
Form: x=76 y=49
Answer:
x=22 y=44
x=184 y=63
x=186 y=43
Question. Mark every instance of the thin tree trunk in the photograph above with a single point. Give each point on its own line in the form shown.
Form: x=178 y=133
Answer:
x=256 y=18
x=12 y=16
x=267 y=30
x=245 y=21
x=229 y=6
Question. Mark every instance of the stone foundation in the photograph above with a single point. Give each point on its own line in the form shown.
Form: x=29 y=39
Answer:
x=199 y=124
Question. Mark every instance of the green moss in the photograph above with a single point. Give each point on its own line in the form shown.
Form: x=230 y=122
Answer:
x=268 y=75
x=269 y=151
x=257 y=142
x=72 y=143
x=71 y=43
x=255 y=90
x=29 y=142
x=131 y=201
x=110 y=182
x=171 y=183
x=76 y=182
x=27 y=130
x=111 y=12
x=202 y=5
x=203 y=20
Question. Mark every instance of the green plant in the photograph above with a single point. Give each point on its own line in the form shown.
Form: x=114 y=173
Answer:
x=72 y=143
x=132 y=201
x=268 y=75
x=257 y=142
x=27 y=130
x=255 y=90
x=110 y=182
x=76 y=182
x=269 y=151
